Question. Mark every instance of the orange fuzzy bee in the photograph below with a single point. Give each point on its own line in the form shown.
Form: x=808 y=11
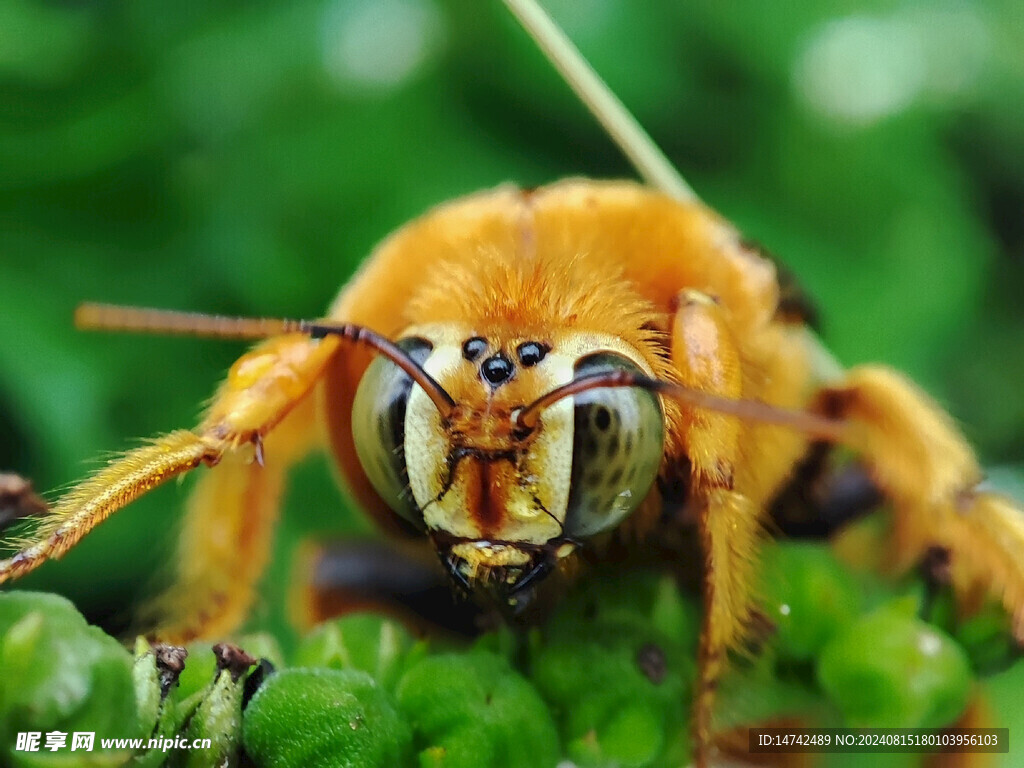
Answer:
x=545 y=368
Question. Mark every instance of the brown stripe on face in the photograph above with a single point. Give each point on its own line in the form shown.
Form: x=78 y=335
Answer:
x=485 y=476
x=491 y=509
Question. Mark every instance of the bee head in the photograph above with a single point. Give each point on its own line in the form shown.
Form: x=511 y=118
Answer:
x=504 y=498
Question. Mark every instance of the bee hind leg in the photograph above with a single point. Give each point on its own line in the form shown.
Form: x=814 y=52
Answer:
x=266 y=416
x=918 y=459
x=222 y=549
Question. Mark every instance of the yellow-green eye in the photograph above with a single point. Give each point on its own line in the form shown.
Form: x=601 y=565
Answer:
x=378 y=428
x=618 y=441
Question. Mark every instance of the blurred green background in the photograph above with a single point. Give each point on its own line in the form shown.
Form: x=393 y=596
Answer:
x=244 y=157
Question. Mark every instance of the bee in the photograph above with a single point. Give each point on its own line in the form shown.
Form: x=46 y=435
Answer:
x=521 y=375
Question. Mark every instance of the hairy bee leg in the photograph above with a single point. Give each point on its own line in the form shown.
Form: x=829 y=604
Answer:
x=706 y=358
x=729 y=531
x=108 y=490
x=264 y=415
x=227 y=535
x=916 y=456
x=262 y=387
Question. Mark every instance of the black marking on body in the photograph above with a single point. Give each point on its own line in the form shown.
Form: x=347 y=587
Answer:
x=795 y=304
x=823 y=494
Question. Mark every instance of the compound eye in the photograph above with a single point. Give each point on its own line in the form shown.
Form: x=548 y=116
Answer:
x=378 y=428
x=618 y=442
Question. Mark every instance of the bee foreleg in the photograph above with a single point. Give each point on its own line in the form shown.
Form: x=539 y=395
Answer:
x=918 y=459
x=227 y=532
x=729 y=531
x=706 y=358
x=108 y=490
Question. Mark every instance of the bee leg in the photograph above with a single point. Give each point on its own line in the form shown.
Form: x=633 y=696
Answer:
x=266 y=417
x=264 y=385
x=706 y=358
x=92 y=501
x=226 y=537
x=729 y=530
x=918 y=459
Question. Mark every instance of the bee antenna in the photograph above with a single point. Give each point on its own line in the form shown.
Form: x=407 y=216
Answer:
x=110 y=317
x=648 y=160
x=749 y=410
